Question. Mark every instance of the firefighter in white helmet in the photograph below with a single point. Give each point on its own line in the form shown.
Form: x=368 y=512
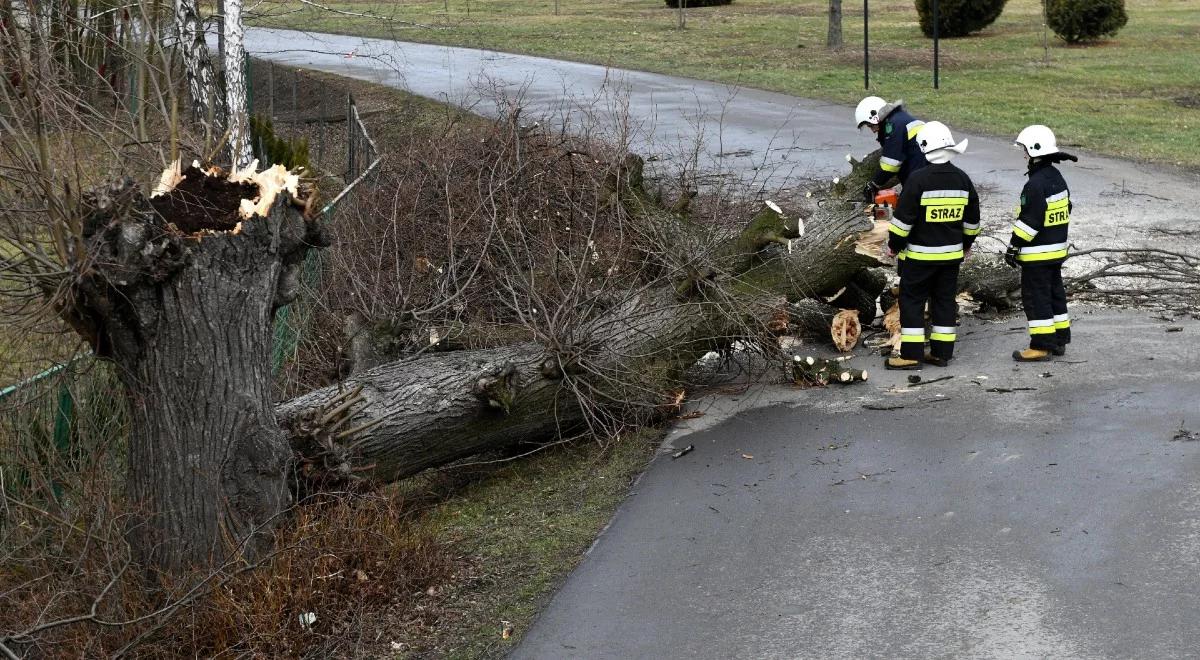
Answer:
x=1039 y=245
x=896 y=131
x=935 y=223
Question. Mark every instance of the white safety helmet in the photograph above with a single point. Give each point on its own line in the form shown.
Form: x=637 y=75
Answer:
x=1037 y=141
x=937 y=143
x=867 y=111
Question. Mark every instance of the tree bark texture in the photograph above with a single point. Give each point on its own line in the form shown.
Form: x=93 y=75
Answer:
x=990 y=281
x=186 y=315
x=202 y=84
x=238 y=124
x=400 y=418
x=833 y=38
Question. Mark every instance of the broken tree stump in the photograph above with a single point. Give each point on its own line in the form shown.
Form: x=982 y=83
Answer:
x=179 y=290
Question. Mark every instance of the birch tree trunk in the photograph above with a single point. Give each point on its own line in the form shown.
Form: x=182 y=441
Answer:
x=202 y=87
x=238 y=124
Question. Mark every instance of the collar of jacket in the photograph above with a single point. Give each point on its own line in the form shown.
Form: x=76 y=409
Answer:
x=1036 y=164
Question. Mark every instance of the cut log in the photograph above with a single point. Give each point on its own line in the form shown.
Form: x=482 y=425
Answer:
x=845 y=330
x=990 y=281
x=809 y=370
x=862 y=294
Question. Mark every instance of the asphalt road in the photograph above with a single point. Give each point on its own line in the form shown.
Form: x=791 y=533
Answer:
x=1060 y=521
x=762 y=139
x=1053 y=517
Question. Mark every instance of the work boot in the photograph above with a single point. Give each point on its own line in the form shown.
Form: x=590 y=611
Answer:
x=936 y=361
x=1060 y=351
x=1031 y=355
x=903 y=364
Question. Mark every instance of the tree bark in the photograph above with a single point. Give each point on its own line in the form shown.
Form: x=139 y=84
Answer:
x=202 y=86
x=181 y=297
x=990 y=281
x=238 y=123
x=833 y=38
x=400 y=418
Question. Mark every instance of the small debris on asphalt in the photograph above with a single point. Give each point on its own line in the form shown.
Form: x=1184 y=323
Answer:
x=1006 y=390
x=1045 y=374
x=1185 y=435
x=506 y=630
x=748 y=456
x=931 y=380
x=683 y=451
x=914 y=379
x=882 y=406
x=1175 y=328
x=714 y=509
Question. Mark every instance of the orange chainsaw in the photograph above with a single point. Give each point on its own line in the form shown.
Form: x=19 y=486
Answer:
x=884 y=204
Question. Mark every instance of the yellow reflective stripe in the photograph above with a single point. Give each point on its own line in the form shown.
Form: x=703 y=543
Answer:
x=944 y=201
x=1061 y=204
x=1062 y=325
x=941 y=336
x=912 y=338
x=902 y=233
x=1042 y=256
x=934 y=256
x=888 y=167
x=1023 y=230
x=969 y=231
x=914 y=127
x=1042 y=330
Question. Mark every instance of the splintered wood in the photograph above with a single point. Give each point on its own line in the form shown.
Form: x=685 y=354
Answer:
x=200 y=200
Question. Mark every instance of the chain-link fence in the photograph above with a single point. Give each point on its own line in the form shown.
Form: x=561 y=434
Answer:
x=316 y=118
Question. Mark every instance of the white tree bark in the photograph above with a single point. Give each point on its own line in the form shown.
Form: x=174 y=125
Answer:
x=201 y=81
x=238 y=123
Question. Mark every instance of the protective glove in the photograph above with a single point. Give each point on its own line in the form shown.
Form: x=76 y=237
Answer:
x=1010 y=256
x=869 y=191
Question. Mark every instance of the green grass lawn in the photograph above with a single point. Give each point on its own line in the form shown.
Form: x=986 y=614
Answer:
x=1135 y=96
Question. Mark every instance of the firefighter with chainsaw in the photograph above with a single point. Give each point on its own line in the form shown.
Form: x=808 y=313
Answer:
x=896 y=132
x=1039 y=245
x=935 y=223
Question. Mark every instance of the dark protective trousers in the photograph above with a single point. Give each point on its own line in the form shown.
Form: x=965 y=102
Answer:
x=1045 y=300
x=937 y=283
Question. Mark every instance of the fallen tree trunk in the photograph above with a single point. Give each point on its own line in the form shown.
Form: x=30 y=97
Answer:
x=990 y=281
x=400 y=418
x=405 y=416
x=426 y=411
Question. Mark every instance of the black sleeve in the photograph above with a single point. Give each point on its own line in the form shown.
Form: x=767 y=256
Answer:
x=906 y=215
x=1030 y=215
x=971 y=226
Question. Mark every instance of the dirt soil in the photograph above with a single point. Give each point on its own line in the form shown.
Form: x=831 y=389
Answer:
x=202 y=202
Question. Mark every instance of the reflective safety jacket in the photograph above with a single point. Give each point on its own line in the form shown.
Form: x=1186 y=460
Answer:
x=937 y=217
x=900 y=155
x=1040 y=230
